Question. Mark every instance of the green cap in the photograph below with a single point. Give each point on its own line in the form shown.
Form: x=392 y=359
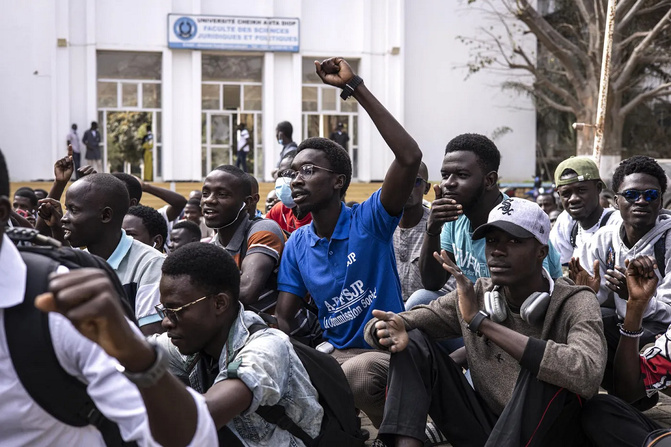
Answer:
x=583 y=166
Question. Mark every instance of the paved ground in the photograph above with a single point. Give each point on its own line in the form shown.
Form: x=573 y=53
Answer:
x=660 y=413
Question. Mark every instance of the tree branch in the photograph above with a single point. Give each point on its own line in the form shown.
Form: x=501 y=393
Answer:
x=626 y=6
x=640 y=49
x=660 y=90
x=558 y=45
x=554 y=104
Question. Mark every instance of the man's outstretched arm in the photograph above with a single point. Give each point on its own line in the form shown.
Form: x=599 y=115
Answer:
x=400 y=178
x=86 y=297
x=176 y=202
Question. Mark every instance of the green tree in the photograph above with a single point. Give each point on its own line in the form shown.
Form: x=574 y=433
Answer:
x=124 y=143
x=563 y=70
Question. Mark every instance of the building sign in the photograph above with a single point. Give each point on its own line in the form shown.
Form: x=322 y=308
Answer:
x=233 y=33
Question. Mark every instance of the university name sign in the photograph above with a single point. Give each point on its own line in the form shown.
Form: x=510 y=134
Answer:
x=233 y=33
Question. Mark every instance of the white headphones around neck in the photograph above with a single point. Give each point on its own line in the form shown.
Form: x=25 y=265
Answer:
x=532 y=311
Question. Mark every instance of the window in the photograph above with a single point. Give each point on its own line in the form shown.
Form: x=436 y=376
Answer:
x=129 y=100
x=231 y=94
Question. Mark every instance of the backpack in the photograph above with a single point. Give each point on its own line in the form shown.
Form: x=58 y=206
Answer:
x=30 y=346
x=340 y=424
x=658 y=438
x=574 y=230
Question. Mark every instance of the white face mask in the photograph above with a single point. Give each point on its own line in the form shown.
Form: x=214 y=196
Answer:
x=283 y=191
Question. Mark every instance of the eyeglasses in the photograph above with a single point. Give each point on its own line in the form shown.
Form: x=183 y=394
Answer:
x=305 y=171
x=632 y=195
x=163 y=311
x=419 y=181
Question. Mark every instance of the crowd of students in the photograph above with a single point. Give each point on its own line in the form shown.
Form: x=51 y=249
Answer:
x=459 y=311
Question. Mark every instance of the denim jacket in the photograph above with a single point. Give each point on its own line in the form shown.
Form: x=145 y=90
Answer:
x=271 y=370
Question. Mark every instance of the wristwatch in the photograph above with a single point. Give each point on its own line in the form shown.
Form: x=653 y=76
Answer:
x=477 y=320
x=148 y=378
x=349 y=88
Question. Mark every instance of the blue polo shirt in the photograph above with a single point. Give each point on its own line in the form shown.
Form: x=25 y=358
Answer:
x=349 y=275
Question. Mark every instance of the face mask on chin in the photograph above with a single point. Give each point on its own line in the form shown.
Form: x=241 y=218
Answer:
x=283 y=191
x=280 y=141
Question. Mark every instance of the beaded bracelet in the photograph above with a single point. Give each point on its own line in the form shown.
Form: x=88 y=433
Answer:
x=630 y=334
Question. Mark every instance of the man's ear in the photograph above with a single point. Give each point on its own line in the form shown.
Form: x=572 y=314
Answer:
x=427 y=187
x=106 y=215
x=340 y=182
x=248 y=201
x=599 y=186
x=5 y=210
x=491 y=180
x=222 y=303
x=158 y=242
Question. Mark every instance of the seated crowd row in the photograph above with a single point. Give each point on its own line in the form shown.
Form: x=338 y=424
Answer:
x=405 y=297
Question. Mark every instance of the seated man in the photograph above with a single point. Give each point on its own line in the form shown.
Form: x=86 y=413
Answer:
x=25 y=420
x=543 y=347
x=639 y=183
x=95 y=207
x=183 y=232
x=208 y=332
x=636 y=376
x=146 y=225
x=467 y=193
x=25 y=201
x=579 y=186
x=255 y=245
x=285 y=212
x=193 y=213
x=409 y=235
x=345 y=258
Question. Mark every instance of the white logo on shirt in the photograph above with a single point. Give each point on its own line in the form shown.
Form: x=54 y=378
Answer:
x=351 y=259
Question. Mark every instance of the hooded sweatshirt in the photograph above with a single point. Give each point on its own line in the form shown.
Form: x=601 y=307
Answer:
x=568 y=351
x=607 y=246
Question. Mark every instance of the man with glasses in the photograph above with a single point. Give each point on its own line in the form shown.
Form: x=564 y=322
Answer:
x=208 y=345
x=639 y=184
x=345 y=258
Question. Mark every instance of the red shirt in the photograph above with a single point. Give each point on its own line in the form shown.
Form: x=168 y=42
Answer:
x=286 y=218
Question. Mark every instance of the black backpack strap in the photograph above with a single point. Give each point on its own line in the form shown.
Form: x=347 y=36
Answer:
x=574 y=234
x=660 y=254
x=274 y=414
x=605 y=218
x=34 y=359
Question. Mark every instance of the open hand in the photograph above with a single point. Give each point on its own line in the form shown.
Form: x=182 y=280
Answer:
x=580 y=276
x=50 y=211
x=442 y=210
x=641 y=279
x=334 y=71
x=64 y=167
x=616 y=280
x=85 y=170
x=390 y=330
x=468 y=303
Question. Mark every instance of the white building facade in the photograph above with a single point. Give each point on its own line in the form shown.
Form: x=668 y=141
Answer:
x=77 y=61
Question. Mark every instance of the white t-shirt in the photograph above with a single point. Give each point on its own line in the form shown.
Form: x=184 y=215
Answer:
x=24 y=422
x=560 y=235
x=242 y=141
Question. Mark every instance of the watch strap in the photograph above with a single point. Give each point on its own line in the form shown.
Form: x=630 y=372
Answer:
x=474 y=325
x=152 y=375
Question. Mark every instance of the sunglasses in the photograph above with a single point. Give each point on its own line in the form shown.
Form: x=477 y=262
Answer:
x=305 y=171
x=632 y=195
x=419 y=181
